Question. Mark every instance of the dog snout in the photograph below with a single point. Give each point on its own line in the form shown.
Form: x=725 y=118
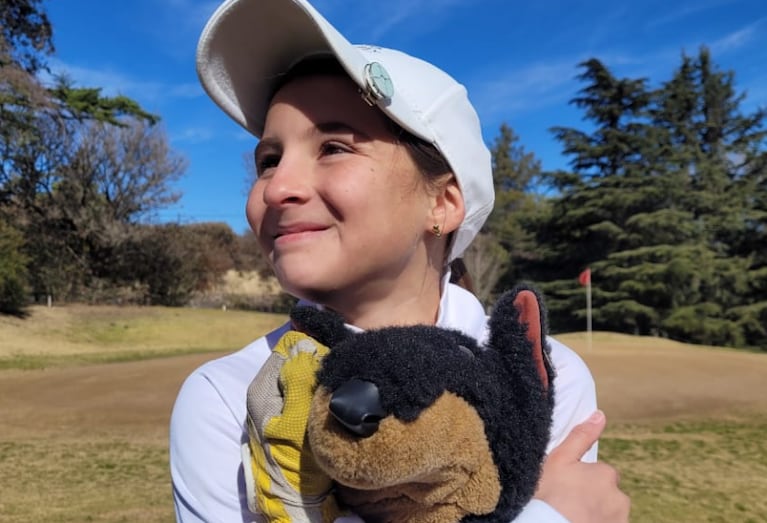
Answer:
x=357 y=406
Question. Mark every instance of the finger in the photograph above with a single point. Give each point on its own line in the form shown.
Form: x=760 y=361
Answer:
x=581 y=438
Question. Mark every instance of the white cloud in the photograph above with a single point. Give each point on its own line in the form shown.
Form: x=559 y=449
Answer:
x=193 y=135
x=191 y=13
x=554 y=83
x=685 y=11
x=370 y=20
x=739 y=38
x=401 y=11
x=529 y=88
x=187 y=90
x=114 y=83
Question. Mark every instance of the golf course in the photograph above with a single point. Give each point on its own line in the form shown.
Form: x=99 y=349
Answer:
x=86 y=394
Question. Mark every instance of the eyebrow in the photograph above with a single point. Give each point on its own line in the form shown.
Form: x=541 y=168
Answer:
x=340 y=127
x=320 y=128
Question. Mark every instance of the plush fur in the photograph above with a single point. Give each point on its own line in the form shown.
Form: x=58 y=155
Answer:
x=465 y=427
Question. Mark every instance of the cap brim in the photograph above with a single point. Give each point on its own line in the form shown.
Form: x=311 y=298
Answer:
x=248 y=44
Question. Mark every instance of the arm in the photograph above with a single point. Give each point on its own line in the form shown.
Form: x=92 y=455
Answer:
x=571 y=490
x=574 y=395
x=573 y=486
x=575 y=399
x=205 y=457
x=583 y=492
x=207 y=430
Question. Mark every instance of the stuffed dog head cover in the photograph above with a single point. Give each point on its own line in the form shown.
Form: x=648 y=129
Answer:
x=420 y=424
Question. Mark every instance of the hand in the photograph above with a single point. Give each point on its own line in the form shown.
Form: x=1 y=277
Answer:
x=582 y=492
x=283 y=481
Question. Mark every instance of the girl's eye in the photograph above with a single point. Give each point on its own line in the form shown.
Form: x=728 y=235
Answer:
x=330 y=148
x=266 y=162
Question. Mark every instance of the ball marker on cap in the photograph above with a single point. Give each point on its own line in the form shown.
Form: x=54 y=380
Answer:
x=378 y=84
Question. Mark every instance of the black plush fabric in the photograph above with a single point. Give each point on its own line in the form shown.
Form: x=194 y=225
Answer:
x=412 y=366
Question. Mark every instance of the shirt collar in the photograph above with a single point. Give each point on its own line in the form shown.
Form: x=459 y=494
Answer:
x=461 y=310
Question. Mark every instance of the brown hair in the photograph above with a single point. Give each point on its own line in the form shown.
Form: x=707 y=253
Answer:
x=430 y=162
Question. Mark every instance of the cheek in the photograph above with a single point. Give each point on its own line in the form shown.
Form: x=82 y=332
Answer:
x=255 y=209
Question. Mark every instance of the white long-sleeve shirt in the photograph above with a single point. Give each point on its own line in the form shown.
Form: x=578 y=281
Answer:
x=207 y=426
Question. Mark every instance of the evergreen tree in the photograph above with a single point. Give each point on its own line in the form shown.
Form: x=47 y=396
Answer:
x=665 y=203
x=612 y=180
x=13 y=293
x=720 y=153
x=516 y=173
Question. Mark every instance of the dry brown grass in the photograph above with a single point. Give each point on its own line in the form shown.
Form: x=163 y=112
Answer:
x=83 y=329
x=641 y=378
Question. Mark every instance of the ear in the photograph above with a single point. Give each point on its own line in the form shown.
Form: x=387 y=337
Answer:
x=448 y=209
x=529 y=309
x=323 y=325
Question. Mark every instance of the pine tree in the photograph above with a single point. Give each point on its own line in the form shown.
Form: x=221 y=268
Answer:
x=504 y=240
x=516 y=172
x=665 y=202
x=720 y=152
x=613 y=181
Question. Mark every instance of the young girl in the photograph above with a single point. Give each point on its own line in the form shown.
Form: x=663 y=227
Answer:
x=373 y=177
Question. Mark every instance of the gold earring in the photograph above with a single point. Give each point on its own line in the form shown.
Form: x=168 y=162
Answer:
x=436 y=230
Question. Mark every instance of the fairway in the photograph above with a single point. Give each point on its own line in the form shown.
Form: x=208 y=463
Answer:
x=88 y=442
x=645 y=378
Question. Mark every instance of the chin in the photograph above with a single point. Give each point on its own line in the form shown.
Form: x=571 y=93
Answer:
x=303 y=277
x=304 y=286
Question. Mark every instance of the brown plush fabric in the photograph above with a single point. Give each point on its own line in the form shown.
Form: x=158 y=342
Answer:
x=435 y=469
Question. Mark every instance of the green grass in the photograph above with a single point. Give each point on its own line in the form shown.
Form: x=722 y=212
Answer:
x=45 y=361
x=692 y=471
x=104 y=480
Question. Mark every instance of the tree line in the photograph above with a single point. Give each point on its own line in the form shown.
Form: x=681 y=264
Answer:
x=665 y=200
x=81 y=176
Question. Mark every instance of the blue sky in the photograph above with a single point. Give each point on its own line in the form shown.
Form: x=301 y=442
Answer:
x=517 y=59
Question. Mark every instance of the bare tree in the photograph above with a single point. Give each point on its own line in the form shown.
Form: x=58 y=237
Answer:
x=486 y=261
x=126 y=170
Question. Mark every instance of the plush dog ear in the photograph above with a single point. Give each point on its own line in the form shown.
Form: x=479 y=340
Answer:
x=519 y=317
x=323 y=325
x=529 y=309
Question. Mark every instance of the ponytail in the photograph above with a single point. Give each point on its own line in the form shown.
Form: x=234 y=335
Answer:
x=460 y=275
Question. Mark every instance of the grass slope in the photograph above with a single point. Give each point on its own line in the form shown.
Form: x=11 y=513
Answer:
x=76 y=334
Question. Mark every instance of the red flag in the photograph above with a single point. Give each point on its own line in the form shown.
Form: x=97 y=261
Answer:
x=584 y=278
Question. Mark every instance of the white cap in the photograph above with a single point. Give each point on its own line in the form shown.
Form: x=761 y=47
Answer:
x=247 y=45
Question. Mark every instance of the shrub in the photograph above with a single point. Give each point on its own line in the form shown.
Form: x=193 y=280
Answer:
x=13 y=271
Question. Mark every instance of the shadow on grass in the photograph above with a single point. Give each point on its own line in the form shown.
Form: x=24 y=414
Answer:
x=46 y=361
x=21 y=314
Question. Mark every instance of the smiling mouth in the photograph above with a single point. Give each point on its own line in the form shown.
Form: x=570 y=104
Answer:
x=297 y=234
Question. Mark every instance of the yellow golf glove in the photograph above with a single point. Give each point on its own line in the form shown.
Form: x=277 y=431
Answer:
x=283 y=481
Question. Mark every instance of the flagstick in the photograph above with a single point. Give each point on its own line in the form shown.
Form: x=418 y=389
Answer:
x=588 y=311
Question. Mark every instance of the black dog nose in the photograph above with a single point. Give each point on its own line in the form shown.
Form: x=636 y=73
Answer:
x=357 y=406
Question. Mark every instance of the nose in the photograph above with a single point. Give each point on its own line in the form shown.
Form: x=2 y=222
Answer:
x=288 y=183
x=357 y=406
